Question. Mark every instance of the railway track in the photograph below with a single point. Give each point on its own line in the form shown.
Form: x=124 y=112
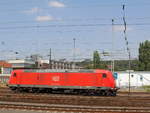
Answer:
x=103 y=101
x=136 y=102
x=72 y=108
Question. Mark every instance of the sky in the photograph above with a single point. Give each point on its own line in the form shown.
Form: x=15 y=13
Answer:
x=34 y=26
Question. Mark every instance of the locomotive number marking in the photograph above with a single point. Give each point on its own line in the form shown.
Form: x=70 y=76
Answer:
x=55 y=78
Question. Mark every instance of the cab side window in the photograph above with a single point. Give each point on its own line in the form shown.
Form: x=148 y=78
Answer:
x=14 y=74
x=104 y=75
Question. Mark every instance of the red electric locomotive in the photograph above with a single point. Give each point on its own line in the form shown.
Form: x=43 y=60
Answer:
x=99 y=82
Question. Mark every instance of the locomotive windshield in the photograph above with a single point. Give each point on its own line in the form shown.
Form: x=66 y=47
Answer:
x=104 y=75
x=115 y=75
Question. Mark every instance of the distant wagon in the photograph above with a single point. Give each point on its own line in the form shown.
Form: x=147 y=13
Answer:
x=97 y=82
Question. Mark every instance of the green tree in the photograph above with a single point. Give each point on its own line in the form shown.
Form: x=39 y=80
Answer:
x=97 y=63
x=144 y=56
x=96 y=60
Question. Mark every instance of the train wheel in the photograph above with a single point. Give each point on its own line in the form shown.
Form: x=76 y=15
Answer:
x=20 y=89
x=48 y=90
x=114 y=93
x=91 y=93
x=13 y=88
x=108 y=93
x=103 y=93
x=34 y=90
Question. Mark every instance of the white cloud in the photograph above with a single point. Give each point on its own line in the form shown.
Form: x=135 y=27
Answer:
x=56 y=4
x=44 y=18
x=32 y=10
x=118 y=28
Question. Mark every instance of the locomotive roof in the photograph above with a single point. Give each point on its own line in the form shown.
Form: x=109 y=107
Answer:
x=58 y=70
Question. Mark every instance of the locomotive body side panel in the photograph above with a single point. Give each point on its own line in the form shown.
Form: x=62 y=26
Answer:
x=28 y=78
x=81 y=79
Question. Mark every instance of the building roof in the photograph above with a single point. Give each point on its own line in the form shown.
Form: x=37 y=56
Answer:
x=5 y=64
x=21 y=61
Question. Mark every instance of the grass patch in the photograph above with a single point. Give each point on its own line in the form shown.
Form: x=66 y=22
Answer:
x=146 y=88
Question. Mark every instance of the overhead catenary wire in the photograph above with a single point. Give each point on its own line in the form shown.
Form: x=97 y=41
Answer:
x=66 y=25
x=77 y=19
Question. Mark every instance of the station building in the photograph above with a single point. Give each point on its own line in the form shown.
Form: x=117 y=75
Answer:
x=137 y=79
x=22 y=64
x=5 y=70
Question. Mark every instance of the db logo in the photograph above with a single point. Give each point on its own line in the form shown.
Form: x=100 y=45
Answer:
x=55 y=78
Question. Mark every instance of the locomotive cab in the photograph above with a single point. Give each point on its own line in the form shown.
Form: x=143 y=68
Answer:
x=107 y=83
